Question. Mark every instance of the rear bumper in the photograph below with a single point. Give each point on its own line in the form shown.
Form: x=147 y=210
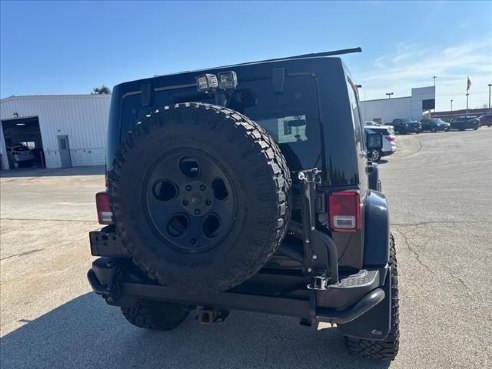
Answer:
x=103 y=280
x=386 y=153
x=272 y=291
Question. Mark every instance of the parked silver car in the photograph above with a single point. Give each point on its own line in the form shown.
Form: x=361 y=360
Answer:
x=389 y=145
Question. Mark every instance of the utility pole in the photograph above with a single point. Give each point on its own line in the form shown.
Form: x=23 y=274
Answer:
x=389 y=94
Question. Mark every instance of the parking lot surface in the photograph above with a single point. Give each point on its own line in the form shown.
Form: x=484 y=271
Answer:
x=439 y=190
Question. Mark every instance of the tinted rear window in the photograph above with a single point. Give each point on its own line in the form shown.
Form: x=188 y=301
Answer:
x=291 y=117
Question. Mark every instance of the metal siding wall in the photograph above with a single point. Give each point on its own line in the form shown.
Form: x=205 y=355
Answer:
x=83 y=118
x=386 y=109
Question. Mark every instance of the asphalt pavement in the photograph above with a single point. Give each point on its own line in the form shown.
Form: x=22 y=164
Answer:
x=439 y=190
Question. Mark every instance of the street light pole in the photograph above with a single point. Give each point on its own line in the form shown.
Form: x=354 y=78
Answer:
x=389 y=94
x=451 y=101
x=490 y=84
x=434 y=77
x=467 y=94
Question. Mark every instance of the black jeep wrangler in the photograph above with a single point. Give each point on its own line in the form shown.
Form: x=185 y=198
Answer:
x=247 y=187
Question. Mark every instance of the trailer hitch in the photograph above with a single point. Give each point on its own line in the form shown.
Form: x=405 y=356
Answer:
x=207 y=316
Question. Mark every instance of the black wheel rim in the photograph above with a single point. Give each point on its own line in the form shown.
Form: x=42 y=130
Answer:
x=190 y=200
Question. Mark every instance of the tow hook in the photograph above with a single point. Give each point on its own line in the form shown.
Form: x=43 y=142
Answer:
x=209 y=315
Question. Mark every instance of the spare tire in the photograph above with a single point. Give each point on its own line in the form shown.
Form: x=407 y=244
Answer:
x=200 y=197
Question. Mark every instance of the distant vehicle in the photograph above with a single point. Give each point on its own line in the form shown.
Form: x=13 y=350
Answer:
x=371 y=123
x=486 y=120
x=19 y=155
x=404 y=126
x=389 y=145
x=462 y=123
x=434 y=125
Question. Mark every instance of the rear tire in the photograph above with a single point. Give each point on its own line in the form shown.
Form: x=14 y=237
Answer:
x=156 y=315
x=387 y=349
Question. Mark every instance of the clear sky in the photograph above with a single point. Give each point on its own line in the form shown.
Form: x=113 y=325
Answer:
x=70 y=47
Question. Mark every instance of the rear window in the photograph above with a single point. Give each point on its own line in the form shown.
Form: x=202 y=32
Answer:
x=291 y=117
x=384 y=131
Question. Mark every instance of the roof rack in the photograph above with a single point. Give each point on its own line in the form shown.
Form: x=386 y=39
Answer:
x=313 y=55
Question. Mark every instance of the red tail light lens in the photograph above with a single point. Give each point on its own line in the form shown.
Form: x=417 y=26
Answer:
x=390 y=138
x=104 y=213
x=344 y=211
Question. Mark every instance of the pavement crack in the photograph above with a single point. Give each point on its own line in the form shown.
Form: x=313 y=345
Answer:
x=22 y=254
x=462 y=282
x=412 y=250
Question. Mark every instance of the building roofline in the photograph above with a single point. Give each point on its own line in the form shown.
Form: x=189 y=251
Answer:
x=72 y=96
x=393 y=98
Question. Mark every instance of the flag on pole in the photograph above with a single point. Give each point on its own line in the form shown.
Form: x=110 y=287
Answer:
x=468 y=84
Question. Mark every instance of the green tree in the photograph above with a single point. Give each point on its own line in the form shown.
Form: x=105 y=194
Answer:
x=103 y=90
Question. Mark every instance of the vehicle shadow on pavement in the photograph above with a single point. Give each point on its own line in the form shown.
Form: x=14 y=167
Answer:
x=57 y=172
x=86 y=333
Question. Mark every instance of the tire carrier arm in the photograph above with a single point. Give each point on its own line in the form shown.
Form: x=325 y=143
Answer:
x=320 y=252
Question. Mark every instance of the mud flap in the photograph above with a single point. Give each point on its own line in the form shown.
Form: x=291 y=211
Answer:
x=376 y=323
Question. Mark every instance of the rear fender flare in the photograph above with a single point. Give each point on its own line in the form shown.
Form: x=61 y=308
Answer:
x=376 y=230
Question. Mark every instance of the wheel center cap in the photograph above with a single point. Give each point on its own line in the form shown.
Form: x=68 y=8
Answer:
x=196 y=199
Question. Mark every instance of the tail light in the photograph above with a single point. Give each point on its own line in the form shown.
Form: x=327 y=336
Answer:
x=104 y=213
x=390 y=138
x=344 y=211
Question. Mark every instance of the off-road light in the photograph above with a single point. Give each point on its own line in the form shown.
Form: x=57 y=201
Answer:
x=344 y=211
x=206 y=82
x=103 y=205
x=227 y=80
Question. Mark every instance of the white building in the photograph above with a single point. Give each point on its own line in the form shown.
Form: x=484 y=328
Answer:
x=385 y=110
x=66 y=130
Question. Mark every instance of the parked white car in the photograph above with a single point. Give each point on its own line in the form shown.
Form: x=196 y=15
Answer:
x=19 y=155
x=389 y=144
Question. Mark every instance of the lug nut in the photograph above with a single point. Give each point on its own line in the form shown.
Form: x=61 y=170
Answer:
x=208 y=202
x=197 y=211
x=185 y=202
x=202 y=187
x=193 y=241
x=188 y=188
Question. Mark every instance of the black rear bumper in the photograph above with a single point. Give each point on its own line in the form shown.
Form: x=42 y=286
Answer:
x=345 y=303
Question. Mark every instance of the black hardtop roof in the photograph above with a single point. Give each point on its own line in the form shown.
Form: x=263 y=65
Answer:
x=296 y=58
